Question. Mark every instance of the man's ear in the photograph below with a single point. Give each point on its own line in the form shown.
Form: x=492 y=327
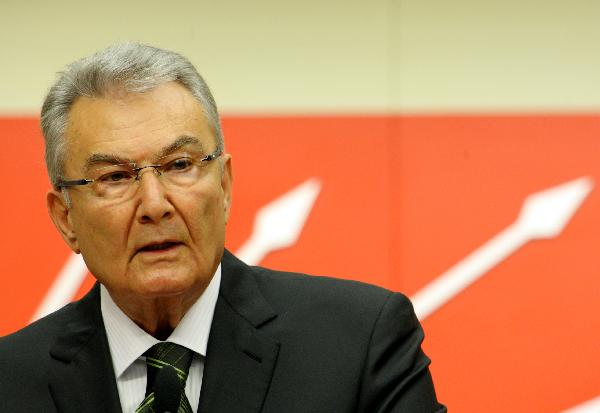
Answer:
x=60 y=214
x=226 y=182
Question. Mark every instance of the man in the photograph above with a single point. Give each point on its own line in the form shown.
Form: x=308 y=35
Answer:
x=142 y=189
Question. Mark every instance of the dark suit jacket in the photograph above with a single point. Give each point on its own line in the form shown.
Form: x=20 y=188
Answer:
x=279 y=343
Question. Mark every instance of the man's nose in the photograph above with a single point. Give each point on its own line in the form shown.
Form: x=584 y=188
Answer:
x=152 y=195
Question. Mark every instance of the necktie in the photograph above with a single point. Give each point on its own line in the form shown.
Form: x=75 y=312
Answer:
x=175 y=360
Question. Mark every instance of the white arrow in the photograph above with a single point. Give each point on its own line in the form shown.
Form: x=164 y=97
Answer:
x=591 y=406
x=64 y=287
x=277 y=225
x=543 y=215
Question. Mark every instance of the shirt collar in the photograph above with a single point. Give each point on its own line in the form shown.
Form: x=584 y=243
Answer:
x=127 y=341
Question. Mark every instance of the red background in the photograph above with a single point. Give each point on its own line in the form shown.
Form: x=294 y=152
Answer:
x=403 y=198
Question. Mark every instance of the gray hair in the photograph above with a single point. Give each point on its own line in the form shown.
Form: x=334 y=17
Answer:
x=133 y=67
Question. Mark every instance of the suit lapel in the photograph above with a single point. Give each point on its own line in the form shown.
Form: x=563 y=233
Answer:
x=81 y=373
x=240 y=357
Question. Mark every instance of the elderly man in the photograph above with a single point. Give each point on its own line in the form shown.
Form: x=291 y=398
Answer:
x=142 y=189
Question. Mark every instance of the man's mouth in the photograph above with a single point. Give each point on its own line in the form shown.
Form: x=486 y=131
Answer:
x=159 y=246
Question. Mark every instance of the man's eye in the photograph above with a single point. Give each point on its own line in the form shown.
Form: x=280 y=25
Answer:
x=117 y=176
x=180 y=164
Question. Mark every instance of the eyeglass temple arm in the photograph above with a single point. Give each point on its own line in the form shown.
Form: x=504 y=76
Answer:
x=218 y=152
x=76 y=182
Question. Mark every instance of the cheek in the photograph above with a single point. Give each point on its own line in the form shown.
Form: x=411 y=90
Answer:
x=205 y=217
x=102 y=232
x=102 y=238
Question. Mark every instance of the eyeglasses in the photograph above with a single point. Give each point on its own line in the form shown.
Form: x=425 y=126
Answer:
x=115 y=182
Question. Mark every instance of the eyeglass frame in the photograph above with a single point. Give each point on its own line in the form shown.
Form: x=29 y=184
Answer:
x=79 y=182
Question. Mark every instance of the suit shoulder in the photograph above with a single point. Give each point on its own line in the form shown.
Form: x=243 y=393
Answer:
x=44 y=331
x=36 y=338
x=288 y=288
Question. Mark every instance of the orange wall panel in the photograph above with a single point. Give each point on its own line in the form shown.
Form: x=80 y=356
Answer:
x=402 y=199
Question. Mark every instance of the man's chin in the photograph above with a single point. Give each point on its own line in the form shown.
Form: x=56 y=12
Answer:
x=163 y=285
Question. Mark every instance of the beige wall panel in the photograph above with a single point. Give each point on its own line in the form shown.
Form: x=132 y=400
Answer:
x=510 y=55
x=328 y=56
x=268 y=56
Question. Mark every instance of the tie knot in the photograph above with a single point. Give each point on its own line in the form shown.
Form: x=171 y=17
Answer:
x=168 y=354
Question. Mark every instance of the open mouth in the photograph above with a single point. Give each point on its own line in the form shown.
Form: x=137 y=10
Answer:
x=163 y=246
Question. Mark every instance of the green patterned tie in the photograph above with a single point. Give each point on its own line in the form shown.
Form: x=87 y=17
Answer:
x=159 y=356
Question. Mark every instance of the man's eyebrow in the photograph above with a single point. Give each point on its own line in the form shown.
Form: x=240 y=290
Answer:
x=179 y=143
x=113 y=159
x=105 y=158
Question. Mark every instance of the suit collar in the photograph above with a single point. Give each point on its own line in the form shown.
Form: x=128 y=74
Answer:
x=240 y=290
x=241 y=358
x=128 y=341
x=81 y=371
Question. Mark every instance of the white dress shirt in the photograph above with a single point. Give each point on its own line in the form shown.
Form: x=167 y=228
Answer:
x=128 y=342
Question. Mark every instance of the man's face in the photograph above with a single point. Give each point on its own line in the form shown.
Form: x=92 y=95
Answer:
x=164 y=240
